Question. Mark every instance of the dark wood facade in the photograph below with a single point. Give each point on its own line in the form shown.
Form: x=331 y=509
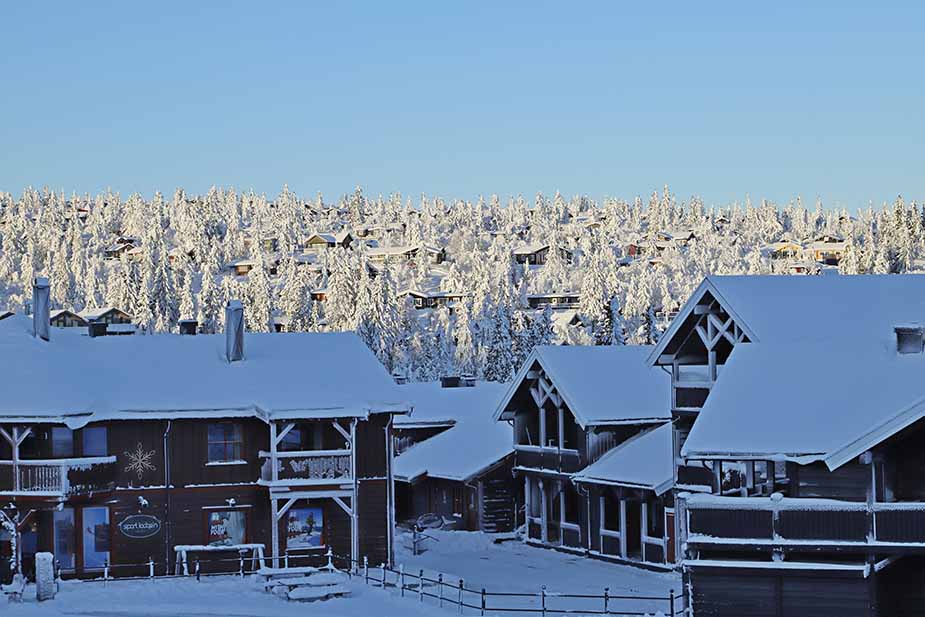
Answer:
x=198 y=482
x=551 y=449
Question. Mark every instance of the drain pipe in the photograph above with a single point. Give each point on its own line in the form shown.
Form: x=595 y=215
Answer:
x=167 y=499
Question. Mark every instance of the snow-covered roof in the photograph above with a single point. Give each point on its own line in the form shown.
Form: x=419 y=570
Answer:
x=432 y=403
x=642 y=461
x=607 y=384
x=529 y=249
x=92 y=314
x=474 y=444
x=821 y=378
x=166 y=375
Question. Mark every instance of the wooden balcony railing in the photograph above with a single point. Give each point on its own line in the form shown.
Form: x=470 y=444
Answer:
x=307 y=467
x=557 y=460
x=57 y=477
x=769 y=522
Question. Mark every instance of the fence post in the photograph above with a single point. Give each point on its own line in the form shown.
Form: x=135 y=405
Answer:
x=383 y=574
x=366 y=569
x=330 y=556
x=671 y=600
x=401 y=579
x=286 y=559
x=421 y=586
x=606 y=600
x=483 y=602
x=543 y=599
x=196 y=566
x=460 y=596
x=150 y=568
x=105 y=570
x=414 y=540
x=241 y=564
x=440 y=589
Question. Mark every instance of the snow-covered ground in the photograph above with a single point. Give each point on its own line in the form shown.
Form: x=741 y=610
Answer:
x=510 y=567
x=222 y=596
x=519 y=568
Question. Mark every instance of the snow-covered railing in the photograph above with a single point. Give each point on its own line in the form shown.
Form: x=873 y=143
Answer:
x=776 y=520
x=308 y=465
x=48 y=476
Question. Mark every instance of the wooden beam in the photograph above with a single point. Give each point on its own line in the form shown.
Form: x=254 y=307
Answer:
x=282 y=511
x=282 y=434
x=342 y=431
x=706 y=310
x=343 y=506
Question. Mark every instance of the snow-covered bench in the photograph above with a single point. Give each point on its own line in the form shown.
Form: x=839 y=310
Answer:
x=305 y=583
x=15 y=589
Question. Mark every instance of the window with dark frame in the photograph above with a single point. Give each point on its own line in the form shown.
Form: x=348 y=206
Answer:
x=225 y=442
x=93 y=441
x=62 y=442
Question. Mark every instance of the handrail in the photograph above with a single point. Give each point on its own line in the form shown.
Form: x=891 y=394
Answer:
x=62 y=462
x=304 y=453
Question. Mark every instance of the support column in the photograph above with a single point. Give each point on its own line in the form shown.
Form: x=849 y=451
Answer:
x=544 y=518
x=274 y=530
x=623 y=529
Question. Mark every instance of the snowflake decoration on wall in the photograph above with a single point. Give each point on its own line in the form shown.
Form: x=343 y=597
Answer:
x=140 y=461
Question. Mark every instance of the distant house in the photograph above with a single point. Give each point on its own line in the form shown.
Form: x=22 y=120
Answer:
x=115 y=251
x=117 y=320
x=326 y=240
x=406 y=253
x=784 y=249
x=537 y=254
x=432 y=299
x=826 y=249
x=242 y=267
x=563 y=300
x=474 y=491
x=63 y=318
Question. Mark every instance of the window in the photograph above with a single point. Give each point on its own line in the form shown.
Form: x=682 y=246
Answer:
x=62 y=442
x=93 y=441
x=571 y=505
x=610 y=513
x=227 y=527
x=655 y=525
x=225 y=442
x=302 y=436
x=95 y=537
x=65 y=542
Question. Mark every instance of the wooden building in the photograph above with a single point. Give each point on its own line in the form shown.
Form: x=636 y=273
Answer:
x=454 y=461
x=800 y=485
x=537 y=254
x=327 y=240
x=579 y=415
x=63 y=318
x=199 y=445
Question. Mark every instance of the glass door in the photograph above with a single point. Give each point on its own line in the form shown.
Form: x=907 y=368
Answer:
x=95 y=537
x=65 y=541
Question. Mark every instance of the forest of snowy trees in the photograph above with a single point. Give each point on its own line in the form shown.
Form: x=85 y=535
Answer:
x=182 y=247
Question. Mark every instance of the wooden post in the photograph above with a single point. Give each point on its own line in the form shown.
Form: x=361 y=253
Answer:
x=543 y=599
x=196 y=566
x=150 y=567
x=544 y=519
x=105 y=570
x=671 y=603
x=286 y=559
x=421 y=586
x=482 y=612
x=440 y=589
x=401 y=579
x=460 y=602
x=274 y=524
x=382 y=565
x=606 y=600
x=241 y=564
x=366 y=569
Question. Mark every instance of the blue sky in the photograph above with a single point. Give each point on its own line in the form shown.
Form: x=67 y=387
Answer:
x=461 y=99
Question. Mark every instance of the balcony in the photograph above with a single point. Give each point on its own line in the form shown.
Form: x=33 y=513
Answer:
x=307 y=468
x=556 y=460
x=57 y=478
x=731 y=523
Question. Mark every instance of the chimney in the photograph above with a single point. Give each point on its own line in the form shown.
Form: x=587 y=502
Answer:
x=234 y=331
x=188 y=326
x=909 y=338
x=40 y=308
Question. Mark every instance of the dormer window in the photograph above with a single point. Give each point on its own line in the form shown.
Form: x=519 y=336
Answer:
x=909 y=339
